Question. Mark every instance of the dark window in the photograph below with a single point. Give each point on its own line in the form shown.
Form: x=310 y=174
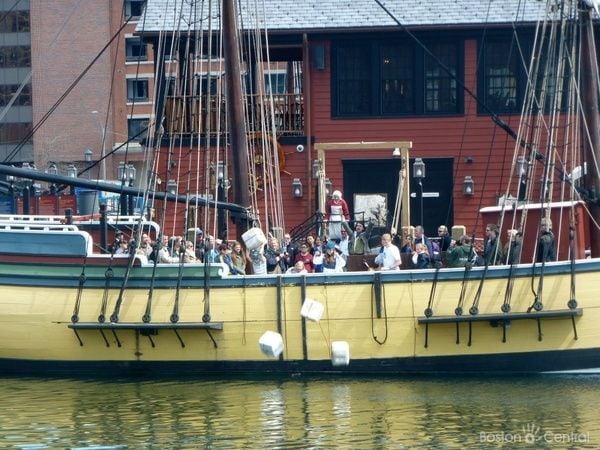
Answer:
x=207 y=84
x=440 y=85
x=353 y=80
x=8 y=90
x=393 y=78
x=135 y=50
x=14 y=22
x=501 y=90
x=17 y=56
x=14 y=133
x=170 y=86
x=137 y=90
x=137 y=129
x=397 y=79
x=134 y=8
x=275 y=83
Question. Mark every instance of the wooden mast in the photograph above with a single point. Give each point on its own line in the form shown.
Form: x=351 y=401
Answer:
x=235 y=112
x=589 y=69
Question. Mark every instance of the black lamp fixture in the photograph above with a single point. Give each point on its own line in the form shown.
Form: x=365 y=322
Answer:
x=418 y=168
x=87 y=155
x=297 y=188
x=468 y=186
x=315 y=168
x=172 y=187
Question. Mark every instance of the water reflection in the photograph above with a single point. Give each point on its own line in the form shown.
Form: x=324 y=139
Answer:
x=294 y=413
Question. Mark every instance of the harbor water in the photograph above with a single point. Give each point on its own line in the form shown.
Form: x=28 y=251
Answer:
x=553 y=411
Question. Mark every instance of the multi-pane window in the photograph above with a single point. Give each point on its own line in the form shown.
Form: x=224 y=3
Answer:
x=137 y=90
x=392 y=78
x=137 y=129
x=440 y=84
x=207 y=84
x=134 y=8
x=501 y=76
x=353 y=83
x=135 y=50
x=275 y=83
x=397 y=79
x=7 y=91
x=15 y=56
x=14 y=22
x=14 y=133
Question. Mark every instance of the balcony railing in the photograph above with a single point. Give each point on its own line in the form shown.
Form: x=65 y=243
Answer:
x=202 y=115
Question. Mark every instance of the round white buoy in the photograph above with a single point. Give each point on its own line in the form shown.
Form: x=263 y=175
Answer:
x=271 y=344
x=340 y=353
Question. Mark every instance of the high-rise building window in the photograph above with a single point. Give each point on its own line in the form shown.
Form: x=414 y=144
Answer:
x=137 y=129
x=14 y=22
x=134 y=8
x=135 y=50
x=137 y=90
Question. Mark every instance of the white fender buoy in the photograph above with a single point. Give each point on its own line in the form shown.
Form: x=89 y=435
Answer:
x=340 y=353
x=271 y=344
x=312 y=309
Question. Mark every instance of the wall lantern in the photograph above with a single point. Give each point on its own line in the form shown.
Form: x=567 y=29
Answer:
x=468 y=186
x=521 y=166
x=72 y=171
x=52 y=169
x=328 y=187
x=316 y=167
x=297 y=188
x=87 y=155
x=418 y=168
x=172 y=187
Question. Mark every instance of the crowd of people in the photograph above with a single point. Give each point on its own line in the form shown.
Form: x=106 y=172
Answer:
x=330 y=253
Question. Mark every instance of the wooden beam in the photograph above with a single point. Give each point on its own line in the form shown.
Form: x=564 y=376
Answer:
x=404 y=147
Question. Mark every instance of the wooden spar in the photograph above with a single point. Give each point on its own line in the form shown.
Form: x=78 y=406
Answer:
x=235 y=112
x=589 y=70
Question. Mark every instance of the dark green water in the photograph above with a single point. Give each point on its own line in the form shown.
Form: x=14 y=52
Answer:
x=381 y=413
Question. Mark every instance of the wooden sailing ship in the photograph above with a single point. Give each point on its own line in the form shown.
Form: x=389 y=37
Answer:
x=66 y=308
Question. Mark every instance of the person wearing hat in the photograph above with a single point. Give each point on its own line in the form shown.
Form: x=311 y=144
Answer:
x=337 y=214
x=332 y=259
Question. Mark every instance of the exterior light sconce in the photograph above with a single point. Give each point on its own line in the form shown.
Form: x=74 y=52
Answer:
x=468 y=186
x=52 y=169
x=328 y=187
x=297 y=188
x=72 y=171
x=418 y=168
x=87 y=155
x=220 y=171
x=172 y=187
x=521 y=166
x=131 y=173
x=315 y=168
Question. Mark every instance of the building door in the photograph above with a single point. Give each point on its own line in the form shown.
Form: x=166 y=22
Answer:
x=431 y=200
x=371 y=187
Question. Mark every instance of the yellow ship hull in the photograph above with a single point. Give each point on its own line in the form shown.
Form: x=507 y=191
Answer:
x=381 y=317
